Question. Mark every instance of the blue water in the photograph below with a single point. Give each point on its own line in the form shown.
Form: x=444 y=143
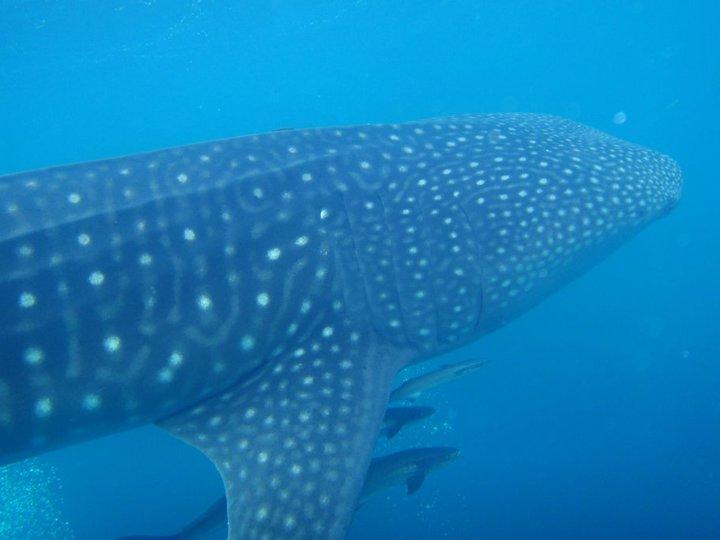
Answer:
x=597 y=415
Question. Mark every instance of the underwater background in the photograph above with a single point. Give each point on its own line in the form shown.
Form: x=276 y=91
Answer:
x=598 y=413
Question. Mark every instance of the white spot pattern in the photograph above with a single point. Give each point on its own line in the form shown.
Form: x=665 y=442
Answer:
x=178 y=272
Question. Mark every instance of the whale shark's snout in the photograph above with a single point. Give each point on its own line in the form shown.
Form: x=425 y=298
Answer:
x=644 y=192
x=671 y=183
x=557 y=197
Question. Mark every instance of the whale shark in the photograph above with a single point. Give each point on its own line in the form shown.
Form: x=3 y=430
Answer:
x=255 y=296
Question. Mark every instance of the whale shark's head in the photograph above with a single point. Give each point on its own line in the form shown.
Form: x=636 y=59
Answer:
x=551 y=198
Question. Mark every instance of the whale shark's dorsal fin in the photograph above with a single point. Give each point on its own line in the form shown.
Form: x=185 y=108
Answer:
x=293 y=444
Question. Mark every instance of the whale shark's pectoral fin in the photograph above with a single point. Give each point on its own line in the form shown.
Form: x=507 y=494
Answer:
x=293 y=444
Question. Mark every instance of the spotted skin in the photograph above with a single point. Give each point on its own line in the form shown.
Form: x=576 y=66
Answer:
x=255 y=296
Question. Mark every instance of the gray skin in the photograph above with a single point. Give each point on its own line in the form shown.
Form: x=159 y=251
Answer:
x=397 y=418
x=408 y=467
x=412 y=388
x=255 y=296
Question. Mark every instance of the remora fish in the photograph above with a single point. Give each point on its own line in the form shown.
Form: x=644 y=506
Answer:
x=396 y=418
x=412 y=388
x=255 y=296
x=405 y=467
x=408 y=467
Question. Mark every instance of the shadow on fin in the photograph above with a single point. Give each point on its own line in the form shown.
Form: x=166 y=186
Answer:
x=415 y=482
x=393 y=430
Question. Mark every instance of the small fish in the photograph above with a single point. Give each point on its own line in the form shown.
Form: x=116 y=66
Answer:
x=412 y=388
x=396 y=418
x=408 y=467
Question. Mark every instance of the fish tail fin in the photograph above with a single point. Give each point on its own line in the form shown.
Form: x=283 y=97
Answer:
x=393 y=430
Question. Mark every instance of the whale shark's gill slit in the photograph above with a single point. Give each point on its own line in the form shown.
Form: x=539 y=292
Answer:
x=365 y=287
x=292 y=444
x=396 y=270
x=475 y=237
x=426 y=245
